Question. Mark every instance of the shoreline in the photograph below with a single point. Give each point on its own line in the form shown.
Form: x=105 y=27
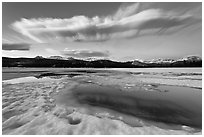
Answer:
x=25 y=114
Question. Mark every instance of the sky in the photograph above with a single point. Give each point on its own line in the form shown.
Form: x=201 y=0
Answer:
x=116 y=31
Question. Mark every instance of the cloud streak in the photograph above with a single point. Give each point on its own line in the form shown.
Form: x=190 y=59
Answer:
x=85 y=53
x=16 y=46
x=129 y=21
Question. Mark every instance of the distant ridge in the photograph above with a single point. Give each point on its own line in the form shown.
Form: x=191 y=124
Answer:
x=58 y=61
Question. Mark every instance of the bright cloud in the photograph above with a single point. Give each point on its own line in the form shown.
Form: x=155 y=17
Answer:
x=128 y=21
x=85 y=53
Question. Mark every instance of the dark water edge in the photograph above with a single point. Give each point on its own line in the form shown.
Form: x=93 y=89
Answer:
x=18 y=72
x=180 y=106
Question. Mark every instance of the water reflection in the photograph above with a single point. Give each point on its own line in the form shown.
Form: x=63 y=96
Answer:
x=180 y=106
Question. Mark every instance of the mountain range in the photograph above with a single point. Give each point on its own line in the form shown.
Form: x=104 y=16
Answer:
x=58 y=61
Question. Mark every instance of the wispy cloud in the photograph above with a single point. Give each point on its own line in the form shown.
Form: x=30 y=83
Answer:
x=130 y=21
x=16 y=46
x=85 y=53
